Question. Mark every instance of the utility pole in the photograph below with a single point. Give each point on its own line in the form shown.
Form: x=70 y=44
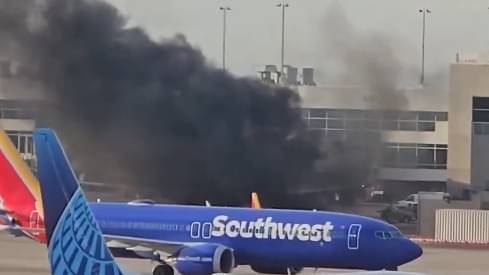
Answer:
x=423 y=11
x=283 y=5
x=224 y=14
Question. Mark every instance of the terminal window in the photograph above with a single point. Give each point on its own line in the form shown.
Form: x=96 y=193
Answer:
x=371 y=120
x=480 y=115
x=412 y=155
x=23 y=142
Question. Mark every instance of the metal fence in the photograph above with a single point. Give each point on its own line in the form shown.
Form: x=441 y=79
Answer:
x=462 y=225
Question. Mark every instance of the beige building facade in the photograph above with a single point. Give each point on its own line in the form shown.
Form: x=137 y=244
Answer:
x=415 y=134
x=468 y=133
x=436 y=136
x=18 y=95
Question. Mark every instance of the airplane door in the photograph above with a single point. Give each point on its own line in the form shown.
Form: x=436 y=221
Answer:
x=353 y=240
x=34 y=221
x=195 y=230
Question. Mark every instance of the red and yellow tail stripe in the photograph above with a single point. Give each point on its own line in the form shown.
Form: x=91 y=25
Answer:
x=19 y=188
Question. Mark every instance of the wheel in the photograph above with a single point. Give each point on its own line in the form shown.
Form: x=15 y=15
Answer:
x=163 y=269
x=294 y=270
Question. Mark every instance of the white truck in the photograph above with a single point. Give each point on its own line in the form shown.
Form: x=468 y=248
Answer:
x=413 y=199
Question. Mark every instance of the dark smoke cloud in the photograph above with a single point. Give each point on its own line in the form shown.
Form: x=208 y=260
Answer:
x=365 y=58
x=354 y=57
x=155 y=117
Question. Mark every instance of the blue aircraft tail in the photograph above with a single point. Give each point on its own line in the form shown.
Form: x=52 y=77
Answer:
x=74 y=239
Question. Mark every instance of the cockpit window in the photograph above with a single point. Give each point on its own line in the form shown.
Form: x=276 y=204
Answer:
x=385 y=235
x=396 y=234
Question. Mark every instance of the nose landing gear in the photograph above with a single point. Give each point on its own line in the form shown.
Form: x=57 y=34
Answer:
x=163 y=269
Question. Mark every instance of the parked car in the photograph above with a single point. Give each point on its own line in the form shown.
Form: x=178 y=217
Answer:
x=412 y=200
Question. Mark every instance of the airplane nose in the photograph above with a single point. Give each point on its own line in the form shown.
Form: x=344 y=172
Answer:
x=413 y=251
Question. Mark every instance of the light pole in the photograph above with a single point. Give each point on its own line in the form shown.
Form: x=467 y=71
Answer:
x=423 y=11
x=224 y=13
x=283 y=5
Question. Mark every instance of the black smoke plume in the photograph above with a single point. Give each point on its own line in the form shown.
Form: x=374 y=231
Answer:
x=155 y=117
x=369 y=60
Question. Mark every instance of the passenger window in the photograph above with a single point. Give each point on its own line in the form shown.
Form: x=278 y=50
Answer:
x=206 y=230
x=195 y=230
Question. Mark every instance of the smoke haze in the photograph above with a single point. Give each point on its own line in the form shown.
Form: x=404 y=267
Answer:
x=154 y=116
x=364 y=58
x=157 y=119
x=368 y=60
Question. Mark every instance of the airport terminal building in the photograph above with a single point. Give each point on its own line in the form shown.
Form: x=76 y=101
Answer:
x=415 y=139
x=18 y=95
x=438 y=140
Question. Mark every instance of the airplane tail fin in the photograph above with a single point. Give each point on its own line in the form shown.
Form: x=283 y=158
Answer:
x=20 y=196
x=75 y=241
x=255 y=200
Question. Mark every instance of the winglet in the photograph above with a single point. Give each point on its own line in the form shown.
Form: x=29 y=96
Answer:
x=255 y=200
x=75 y=241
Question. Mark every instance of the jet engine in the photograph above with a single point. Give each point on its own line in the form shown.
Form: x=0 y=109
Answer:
x=276 y=269
x=204 y=259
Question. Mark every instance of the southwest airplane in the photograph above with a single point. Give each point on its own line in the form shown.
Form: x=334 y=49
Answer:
x=72 y=253
x=199 y=239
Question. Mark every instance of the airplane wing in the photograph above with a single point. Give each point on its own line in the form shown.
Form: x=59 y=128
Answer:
x=141 y=244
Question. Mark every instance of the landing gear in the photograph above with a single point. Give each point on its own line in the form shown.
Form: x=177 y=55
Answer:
x=163 y=269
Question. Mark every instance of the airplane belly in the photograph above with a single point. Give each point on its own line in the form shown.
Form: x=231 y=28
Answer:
x=286 y=253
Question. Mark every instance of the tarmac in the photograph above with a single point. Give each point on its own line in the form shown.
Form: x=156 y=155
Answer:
x=21 y=256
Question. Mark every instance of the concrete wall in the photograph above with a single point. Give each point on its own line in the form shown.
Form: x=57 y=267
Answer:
x=480 y=160
x=354 y=97
x=27 y=125
x=466 y=81
x=427 y=213
x=20 y=89
x=411 y=174
x=439 y=136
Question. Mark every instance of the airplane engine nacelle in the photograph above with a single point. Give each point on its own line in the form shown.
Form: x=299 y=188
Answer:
x=276 y=269
x=205 y=259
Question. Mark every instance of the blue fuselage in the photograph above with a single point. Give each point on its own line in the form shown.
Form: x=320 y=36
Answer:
x=265 y=237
